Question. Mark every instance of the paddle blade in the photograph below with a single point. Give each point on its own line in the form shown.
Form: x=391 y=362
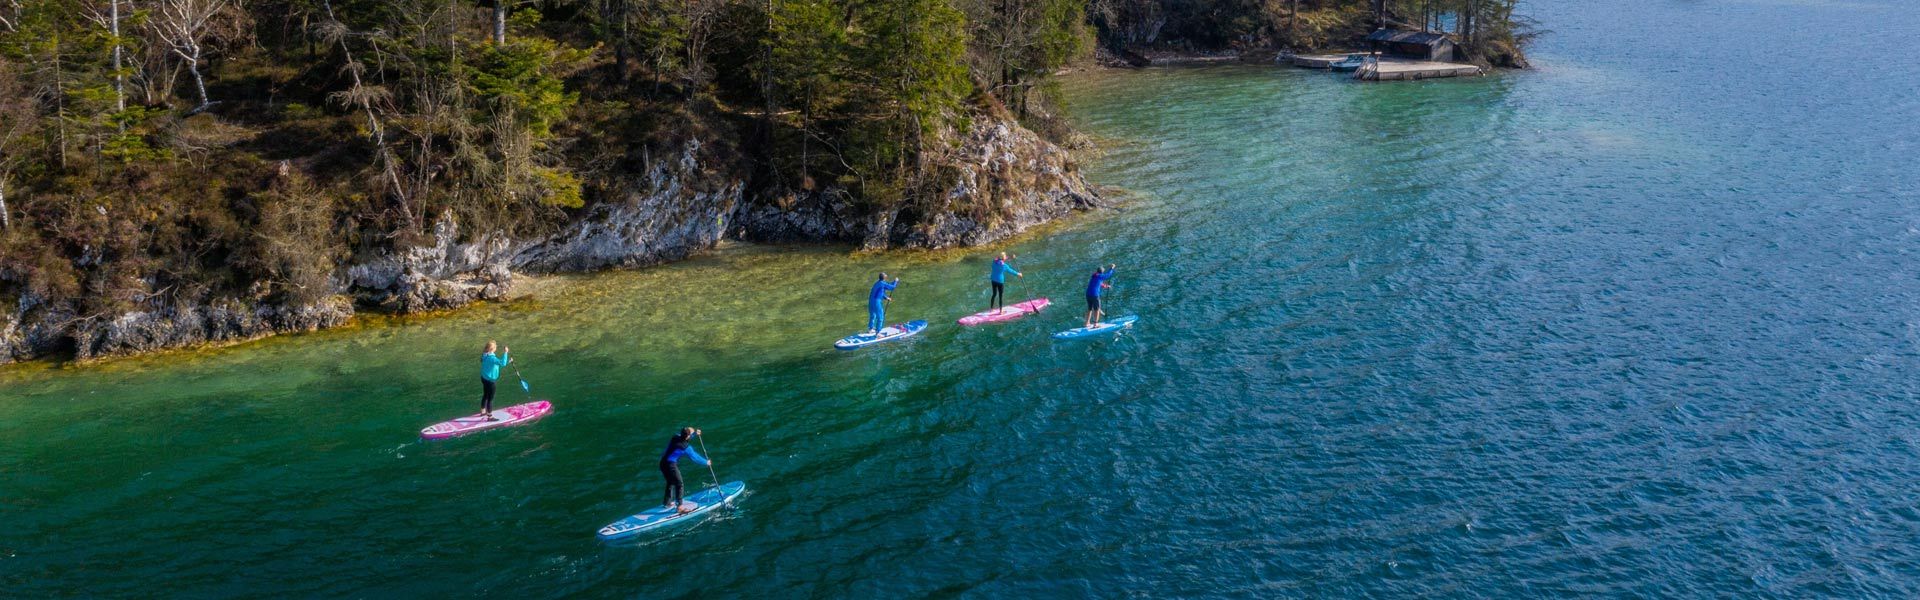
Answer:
x=523 y=386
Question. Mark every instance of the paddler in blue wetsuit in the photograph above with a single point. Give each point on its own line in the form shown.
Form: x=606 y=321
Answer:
x=998 y=276
x=670 y=466
x=490 y=364
x=876 y=303
x=1094 y=286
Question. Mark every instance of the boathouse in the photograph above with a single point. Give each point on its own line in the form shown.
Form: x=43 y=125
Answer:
x=1418 y=45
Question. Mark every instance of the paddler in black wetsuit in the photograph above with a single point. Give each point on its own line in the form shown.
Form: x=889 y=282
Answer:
x=670 y=466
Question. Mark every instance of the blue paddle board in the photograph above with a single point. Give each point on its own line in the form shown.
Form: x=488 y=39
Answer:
x=1097 y=328
x=895 y=332
x=660 y=516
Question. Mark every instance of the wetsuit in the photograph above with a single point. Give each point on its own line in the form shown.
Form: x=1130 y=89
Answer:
x=999 y=279
x=489 y=373
x=1093 y=288
x=670 y=468
x=877 y=304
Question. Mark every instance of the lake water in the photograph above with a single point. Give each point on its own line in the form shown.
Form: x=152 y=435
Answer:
x=1641 y=321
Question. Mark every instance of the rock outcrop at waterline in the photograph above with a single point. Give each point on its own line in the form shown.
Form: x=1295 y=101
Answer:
x=1002 y=180
x=676 y=207
x=27 y=334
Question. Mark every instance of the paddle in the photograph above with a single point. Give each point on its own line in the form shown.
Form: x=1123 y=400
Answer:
x=1101 y=317
x=523 y=382
x=703 y=451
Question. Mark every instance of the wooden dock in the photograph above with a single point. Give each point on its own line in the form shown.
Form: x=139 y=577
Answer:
x=1398 y=69
x=1390 y=68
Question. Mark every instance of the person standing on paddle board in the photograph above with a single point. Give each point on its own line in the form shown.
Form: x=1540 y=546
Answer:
x=489 y=373
x=876 y=303
x=998 y=276
x=1094 y=286
x=670 y=466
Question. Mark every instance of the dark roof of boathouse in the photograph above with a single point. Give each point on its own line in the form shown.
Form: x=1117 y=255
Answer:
x=1397 y=36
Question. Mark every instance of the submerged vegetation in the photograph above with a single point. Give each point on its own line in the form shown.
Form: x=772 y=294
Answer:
x=190 y=152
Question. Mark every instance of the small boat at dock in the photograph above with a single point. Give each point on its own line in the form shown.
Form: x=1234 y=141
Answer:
x=1350 y=63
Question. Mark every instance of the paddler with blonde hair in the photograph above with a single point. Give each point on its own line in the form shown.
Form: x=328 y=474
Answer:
x=490 y=364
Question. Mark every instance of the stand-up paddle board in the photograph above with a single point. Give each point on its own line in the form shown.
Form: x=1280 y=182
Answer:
x=660 y=516
x=512 y=415
x=1006 y=313
x=901 y=331
x=1097 y=328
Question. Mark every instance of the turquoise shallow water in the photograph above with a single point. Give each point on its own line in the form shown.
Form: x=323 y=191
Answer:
x=1639 y=322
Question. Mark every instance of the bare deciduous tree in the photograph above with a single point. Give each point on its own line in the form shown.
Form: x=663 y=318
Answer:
x=366 y=98
x=10 y=16
x=189 y=28
x=699 y=17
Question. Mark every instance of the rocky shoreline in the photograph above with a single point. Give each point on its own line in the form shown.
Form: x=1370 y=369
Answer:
x=1136 y=58
x=1000 y=181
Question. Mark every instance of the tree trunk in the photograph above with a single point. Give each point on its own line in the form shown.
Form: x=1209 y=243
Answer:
x=1293 y=24
x=619 y=12
x=199 y=83
x=5 y=223
x=1462 y=19
x=382 y=154
x=60 y=104
x=1473 y=7
x=686 y=47
x=766 y=92
x=184 y=25
x=119 y=78
x=499 y=21
x=806 y=135
x=1000 y=47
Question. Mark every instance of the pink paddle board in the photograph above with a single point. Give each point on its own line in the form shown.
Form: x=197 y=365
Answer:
x=1009 y=313
x=512 y=415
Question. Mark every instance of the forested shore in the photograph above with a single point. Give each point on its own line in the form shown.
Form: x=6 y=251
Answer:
x=1490 y=32
x=175 y=172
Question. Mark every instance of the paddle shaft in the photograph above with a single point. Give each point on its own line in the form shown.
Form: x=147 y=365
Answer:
x=523 y=382
x=1100 y=316
x=703 y=450
x=1113 y=291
